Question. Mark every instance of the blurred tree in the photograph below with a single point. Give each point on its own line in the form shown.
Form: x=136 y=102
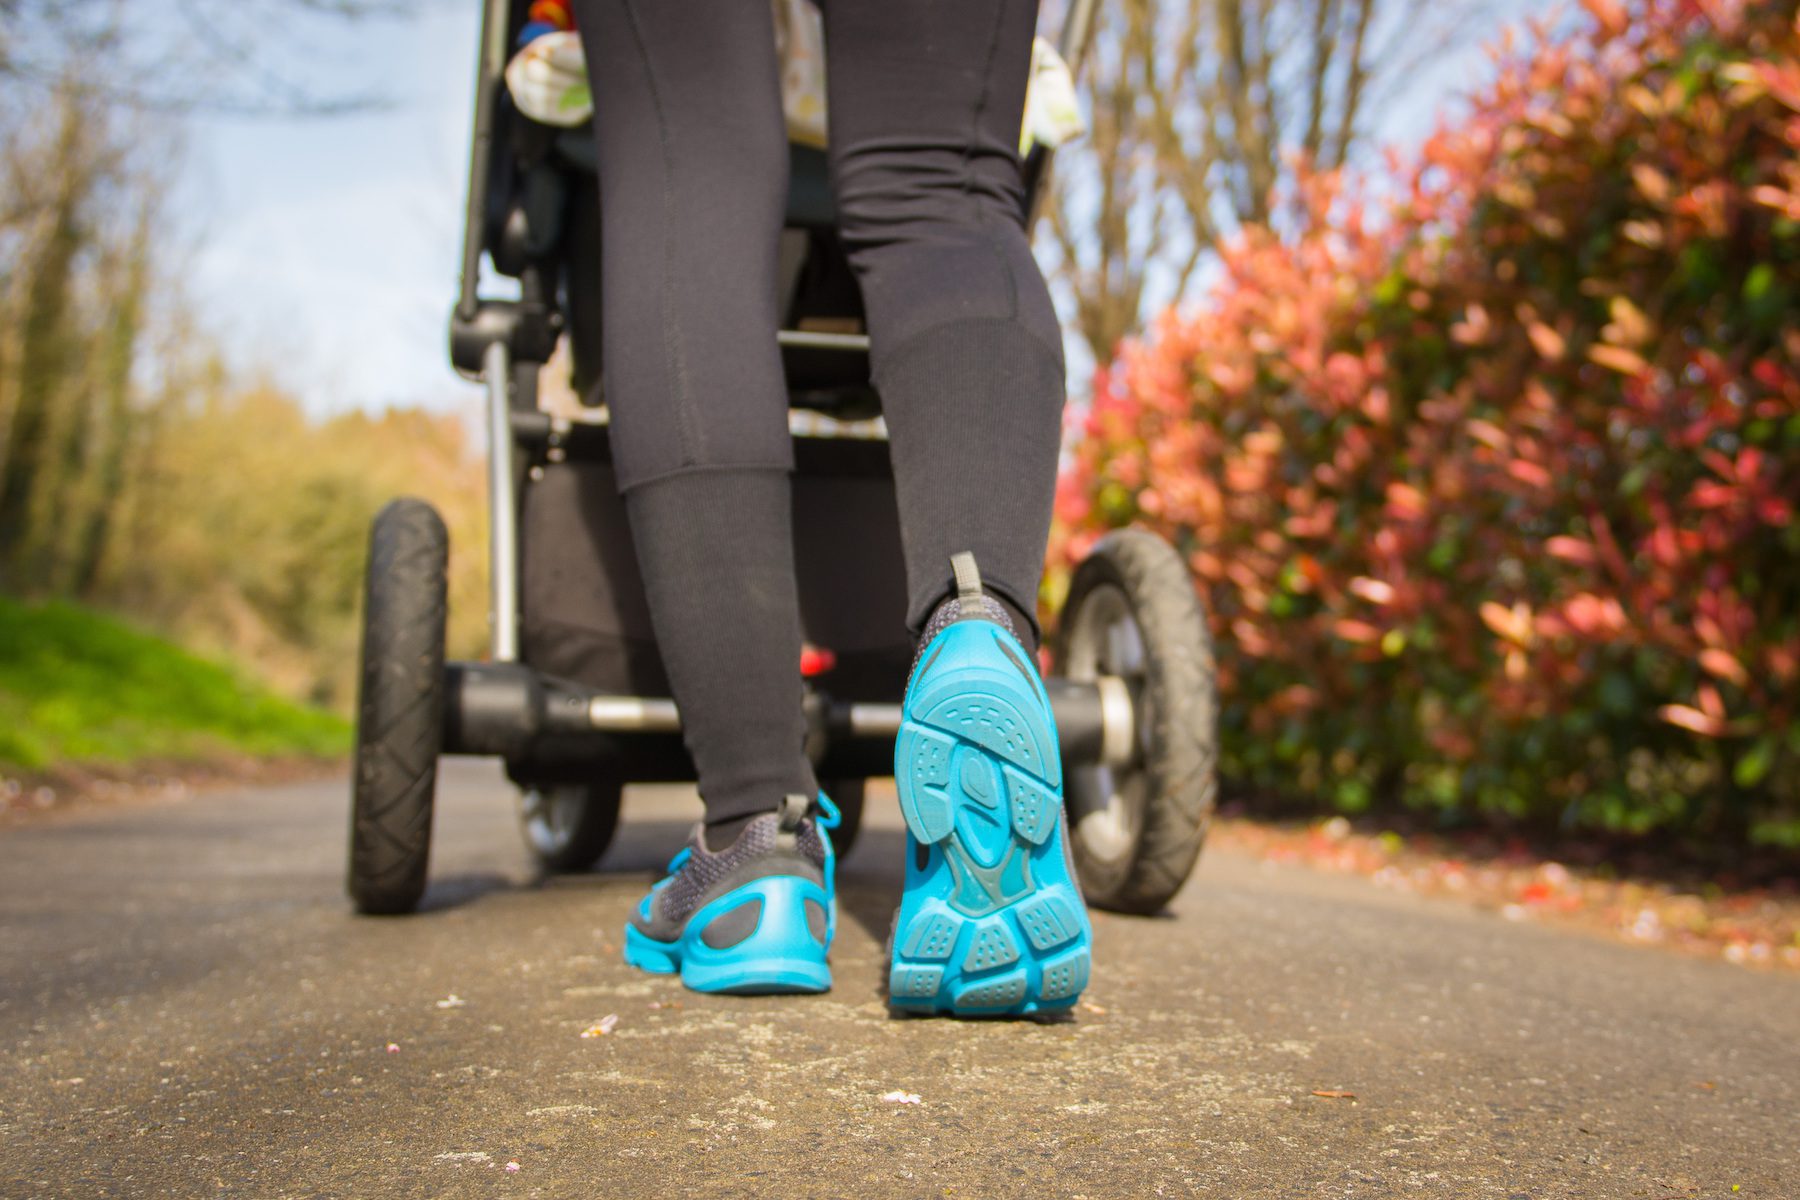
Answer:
x=1198 y=109
x=135 y=473
x=75 y=251
x=248 y=525
x=45 y=351
x=128 y=282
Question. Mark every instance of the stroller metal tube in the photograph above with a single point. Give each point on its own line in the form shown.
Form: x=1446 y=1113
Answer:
x=633 y=714
x=875 y=720
x=637 y=714
x=488 y=71
x=490 y=67
x=503 y=561
x=822 y=341
x=1118 y=721
x=1072 y=43
x=1099 y=718
x=1078 y=27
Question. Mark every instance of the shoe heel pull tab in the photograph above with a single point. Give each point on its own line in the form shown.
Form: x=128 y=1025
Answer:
x=968 y=585
x=792 y=811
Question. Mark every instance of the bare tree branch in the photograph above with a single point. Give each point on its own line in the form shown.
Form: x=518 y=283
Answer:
x=1197 y=106
x=1326 y=14
x=1351 y=103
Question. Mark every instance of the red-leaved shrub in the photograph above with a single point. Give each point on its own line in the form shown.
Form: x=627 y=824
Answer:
x=1491 y=494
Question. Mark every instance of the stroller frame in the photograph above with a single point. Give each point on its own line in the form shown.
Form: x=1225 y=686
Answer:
x=512 y=340
x=552 y=731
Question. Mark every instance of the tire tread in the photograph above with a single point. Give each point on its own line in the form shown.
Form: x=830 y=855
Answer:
x=400 y=707
x=1181 y=759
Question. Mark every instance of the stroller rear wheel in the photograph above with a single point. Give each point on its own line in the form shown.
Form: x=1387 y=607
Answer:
x=400 y=708
x=569 y=826
x=1138 y=824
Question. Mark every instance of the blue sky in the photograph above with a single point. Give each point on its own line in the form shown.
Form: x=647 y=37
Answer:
x=323 y=253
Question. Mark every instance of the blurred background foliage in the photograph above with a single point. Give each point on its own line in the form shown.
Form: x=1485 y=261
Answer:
x=1484 y=457
x=1199 y=110
x=138 y=475
x=1487 y=468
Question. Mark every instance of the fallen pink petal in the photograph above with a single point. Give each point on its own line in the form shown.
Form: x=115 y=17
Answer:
x=602 y=1027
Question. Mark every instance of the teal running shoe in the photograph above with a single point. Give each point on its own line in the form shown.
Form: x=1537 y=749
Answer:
x=992 y=922
x=755 y=918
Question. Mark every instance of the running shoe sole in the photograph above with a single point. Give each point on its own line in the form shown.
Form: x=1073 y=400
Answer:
x=767 y=937
x=992 y=922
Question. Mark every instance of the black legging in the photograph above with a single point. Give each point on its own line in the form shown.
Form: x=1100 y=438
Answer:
x=925 y=104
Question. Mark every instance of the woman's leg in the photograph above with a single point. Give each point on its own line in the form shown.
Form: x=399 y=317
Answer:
x=926 y=99
x=693 y=184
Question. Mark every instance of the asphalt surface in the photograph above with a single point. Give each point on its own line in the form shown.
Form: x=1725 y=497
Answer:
x=187 y=1008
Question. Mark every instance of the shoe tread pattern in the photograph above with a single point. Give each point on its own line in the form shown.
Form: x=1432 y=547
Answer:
x=1000 y=928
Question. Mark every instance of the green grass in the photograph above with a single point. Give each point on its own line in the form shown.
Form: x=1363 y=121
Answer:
x=78 y=687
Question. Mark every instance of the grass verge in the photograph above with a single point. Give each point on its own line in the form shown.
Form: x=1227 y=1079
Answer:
x=78 y=687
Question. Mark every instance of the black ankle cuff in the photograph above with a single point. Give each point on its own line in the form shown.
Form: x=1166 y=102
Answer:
x=722 y=833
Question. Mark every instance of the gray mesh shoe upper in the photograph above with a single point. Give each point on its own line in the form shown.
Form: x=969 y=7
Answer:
x=949 y=613
x=783 y=843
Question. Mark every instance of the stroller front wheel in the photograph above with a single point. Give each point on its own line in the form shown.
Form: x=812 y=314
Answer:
x=568 y=826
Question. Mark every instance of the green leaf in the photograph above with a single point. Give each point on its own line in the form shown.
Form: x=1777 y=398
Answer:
x=1352 y=796
x=1754 y=766
x=1617 y=694
x=1116 y=503
x=1699 y=268
x=1759 y=281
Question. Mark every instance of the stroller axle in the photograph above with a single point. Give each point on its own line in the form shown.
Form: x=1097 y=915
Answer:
x=510 y=710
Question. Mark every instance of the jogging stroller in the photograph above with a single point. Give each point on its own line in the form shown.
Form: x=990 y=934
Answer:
x=573 y=697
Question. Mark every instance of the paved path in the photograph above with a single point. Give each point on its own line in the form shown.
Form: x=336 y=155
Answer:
x=188 y=1009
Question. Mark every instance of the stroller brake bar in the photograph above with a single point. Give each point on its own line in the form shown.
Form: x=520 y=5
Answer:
x=808 y=340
